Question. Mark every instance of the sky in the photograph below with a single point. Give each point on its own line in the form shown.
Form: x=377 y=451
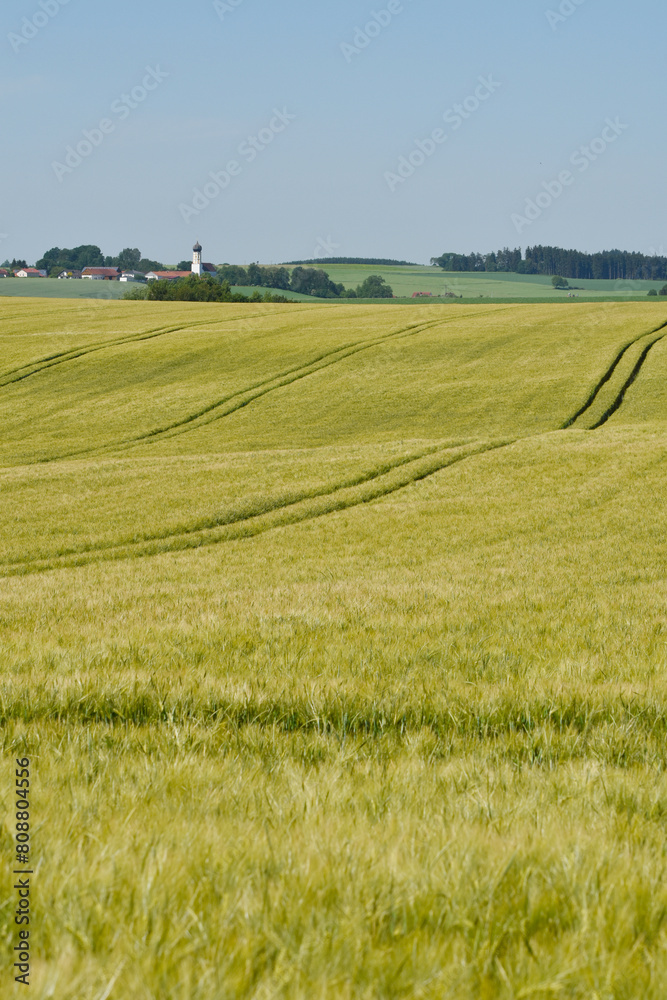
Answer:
x=313 y=128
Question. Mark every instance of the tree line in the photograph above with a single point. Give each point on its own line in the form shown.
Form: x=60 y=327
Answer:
x=375 y=261
x=614 y=265
x=196 y=289
x=62 y=259
x=305 y=280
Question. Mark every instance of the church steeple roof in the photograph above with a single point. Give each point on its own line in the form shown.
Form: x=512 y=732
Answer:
x=197 y=247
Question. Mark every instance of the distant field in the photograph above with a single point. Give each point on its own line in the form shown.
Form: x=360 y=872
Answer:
x=65 y=289
x=406 y=280
x=337 y=636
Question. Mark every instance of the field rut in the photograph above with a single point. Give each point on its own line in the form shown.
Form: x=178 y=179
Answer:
x=608 y=394
x=317 y=503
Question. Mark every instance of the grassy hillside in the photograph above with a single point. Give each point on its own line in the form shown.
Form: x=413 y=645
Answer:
x=406 y=280
x=336 y=636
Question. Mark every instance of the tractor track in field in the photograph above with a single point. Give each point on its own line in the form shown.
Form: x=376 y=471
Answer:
x=634 y=374
x=243 y=397
x=279 y=381
x=608 y=375
x=31 y=368
x=282 y=512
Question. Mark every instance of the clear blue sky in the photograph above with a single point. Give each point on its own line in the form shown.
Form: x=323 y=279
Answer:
x=323 y=184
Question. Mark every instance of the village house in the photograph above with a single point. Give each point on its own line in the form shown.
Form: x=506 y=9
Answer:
x=101 y=273
x=167 y=275
x=70 y=274
x=4 y=273
x=133 y=276
x=30 y=272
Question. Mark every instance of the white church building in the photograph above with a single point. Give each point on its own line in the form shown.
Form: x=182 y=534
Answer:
x=198 y=268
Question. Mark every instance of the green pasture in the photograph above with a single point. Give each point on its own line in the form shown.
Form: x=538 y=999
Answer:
x=336 y=636
x=47 y=288
x=498 y=285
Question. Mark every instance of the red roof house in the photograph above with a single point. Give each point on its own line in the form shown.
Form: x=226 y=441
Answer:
x=101 y=273
x=167 y=275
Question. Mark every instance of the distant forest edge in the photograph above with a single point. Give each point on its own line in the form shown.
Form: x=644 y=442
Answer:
x=375 y=261
x=613 y=265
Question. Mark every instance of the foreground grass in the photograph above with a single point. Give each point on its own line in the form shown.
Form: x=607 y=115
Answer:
x=409 y=747
x=227 y=861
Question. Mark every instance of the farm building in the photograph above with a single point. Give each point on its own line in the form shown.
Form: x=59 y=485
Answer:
x=101 y=273
x=30 y=272
x=69 y=274
x=167 y=275
x=422 y=295
x=133 y=276
x=3 y=273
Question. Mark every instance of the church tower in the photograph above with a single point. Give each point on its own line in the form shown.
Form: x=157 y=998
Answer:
x=196 y=259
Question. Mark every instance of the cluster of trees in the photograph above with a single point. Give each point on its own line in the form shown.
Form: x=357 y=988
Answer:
x=374 y=287
x=314 y=281
x=616 y=265
x=306 y=280
x=256 y=276
x=503 y=260
x=196 y=289
x=130 y=259
x=663 y=291
x=14 y=264
x=62 y=259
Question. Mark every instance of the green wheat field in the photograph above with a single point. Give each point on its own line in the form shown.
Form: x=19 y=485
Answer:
x=336 y=636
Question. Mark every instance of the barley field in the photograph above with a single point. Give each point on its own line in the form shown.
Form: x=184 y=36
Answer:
x=336 y=637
